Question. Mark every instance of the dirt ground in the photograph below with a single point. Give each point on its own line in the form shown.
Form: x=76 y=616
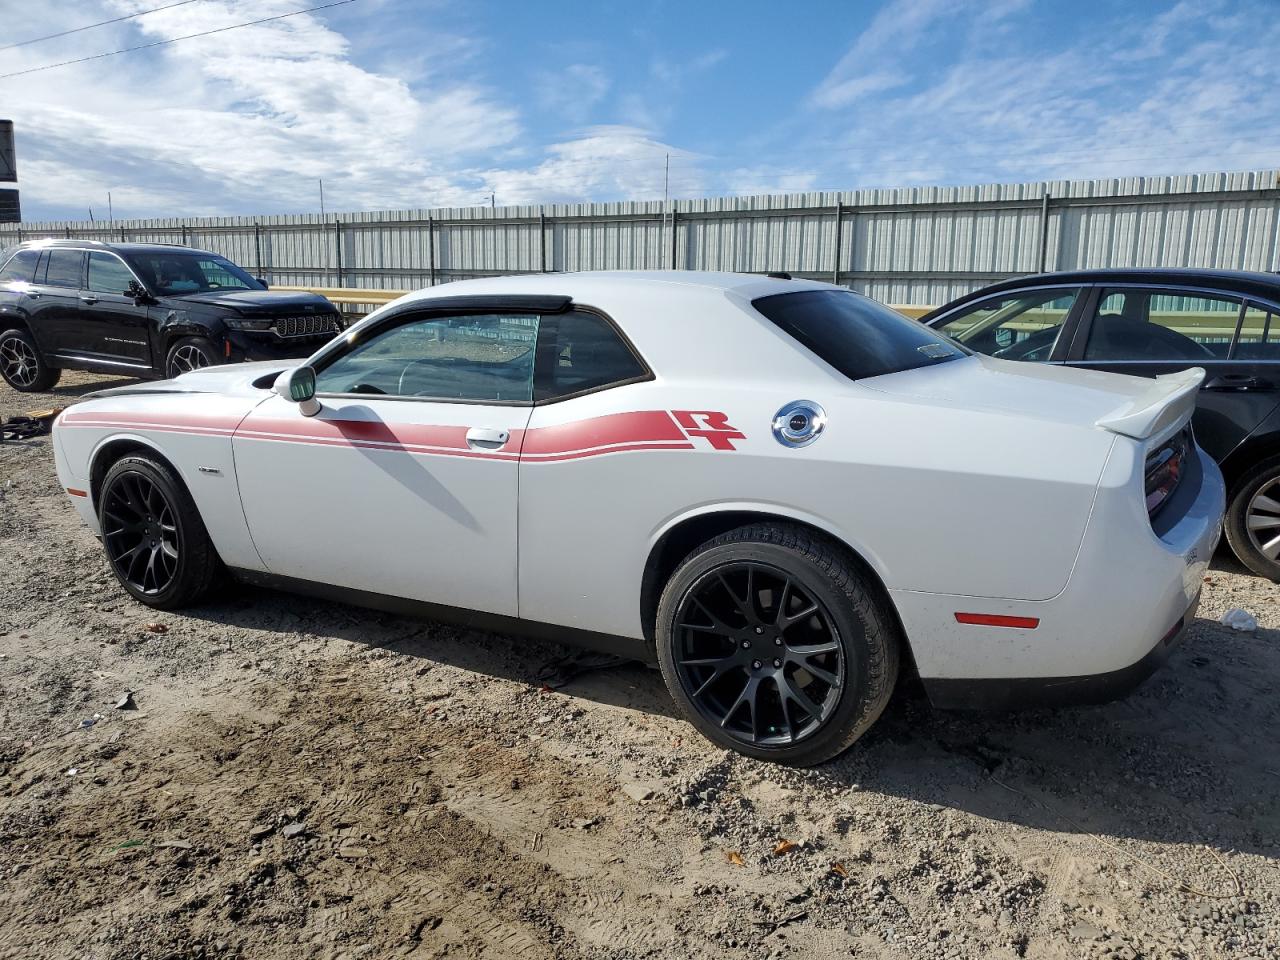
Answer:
x=302 y=779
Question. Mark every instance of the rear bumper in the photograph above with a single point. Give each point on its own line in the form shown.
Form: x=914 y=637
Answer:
x=1131 y=594
x=1018 y=693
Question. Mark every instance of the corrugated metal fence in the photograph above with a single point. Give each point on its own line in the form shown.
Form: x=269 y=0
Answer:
x=908 y=245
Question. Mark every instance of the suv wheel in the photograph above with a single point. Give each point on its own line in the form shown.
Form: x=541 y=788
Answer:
x=774 y=645
x=21 y=364
x=189 y=353
x=1253 y=519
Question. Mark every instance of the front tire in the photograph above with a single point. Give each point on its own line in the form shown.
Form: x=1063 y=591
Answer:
x=187 y=354
x=22 y=365
x=1252 y=524
x=155 y=541
x=775 y=645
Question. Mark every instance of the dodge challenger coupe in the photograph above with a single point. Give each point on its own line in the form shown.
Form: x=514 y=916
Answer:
x=781 y=491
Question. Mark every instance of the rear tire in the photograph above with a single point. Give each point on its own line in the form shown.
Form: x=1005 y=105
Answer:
x=22 y=365
x=774 y=644
x=154 y=538
x=1252 y=523
x=187 y=354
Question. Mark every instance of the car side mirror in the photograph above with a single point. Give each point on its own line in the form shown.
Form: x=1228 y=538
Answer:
x=299 y=386
x=265 y=285
x=138 y=292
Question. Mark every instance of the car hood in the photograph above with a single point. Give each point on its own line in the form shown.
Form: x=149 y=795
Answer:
x=261 y=302
x=235 y=379
x=1137 y=407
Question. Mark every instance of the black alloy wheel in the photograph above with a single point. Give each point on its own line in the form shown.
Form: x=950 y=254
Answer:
x=758 y=654
x=776 y=642
x=140 y=533
x=155 y=541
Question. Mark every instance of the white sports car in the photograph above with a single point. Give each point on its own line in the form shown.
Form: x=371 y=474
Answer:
x=782 y=491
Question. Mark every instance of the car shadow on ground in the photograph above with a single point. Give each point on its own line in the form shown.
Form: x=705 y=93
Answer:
x=1178 y=760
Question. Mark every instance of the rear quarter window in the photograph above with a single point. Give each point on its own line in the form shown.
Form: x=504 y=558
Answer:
x=21 y=267
x=858 y=336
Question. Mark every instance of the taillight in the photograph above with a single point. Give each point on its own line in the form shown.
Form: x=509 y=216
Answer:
x=1164 y=469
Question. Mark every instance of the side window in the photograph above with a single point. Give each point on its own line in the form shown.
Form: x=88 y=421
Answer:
x=107 y=274
x=485 y=357
x=64 y=268
x=1160 y=325
x=21 y=267
x=1018 y=326
x=587 y=353
x=1259 y=336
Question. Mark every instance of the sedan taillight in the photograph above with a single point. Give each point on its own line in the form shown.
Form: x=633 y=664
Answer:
x=1164 y=469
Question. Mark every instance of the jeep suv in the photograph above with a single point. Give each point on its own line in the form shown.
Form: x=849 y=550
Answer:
x=143 y=310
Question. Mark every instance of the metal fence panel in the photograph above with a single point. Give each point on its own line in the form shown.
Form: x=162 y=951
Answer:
x=906 y=245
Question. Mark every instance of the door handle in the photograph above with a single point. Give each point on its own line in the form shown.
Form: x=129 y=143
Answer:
x=1235 y=381
x=487 y=438
x=88 y=298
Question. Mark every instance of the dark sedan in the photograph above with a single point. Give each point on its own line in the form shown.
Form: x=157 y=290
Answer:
x=1153 y=321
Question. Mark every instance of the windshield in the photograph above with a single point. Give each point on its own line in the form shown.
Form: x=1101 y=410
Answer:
x=855 y=334
x=173 y=274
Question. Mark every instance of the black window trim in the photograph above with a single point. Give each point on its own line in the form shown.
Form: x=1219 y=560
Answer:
x=1070 y=323
x=545 y=307
x=1081 y=338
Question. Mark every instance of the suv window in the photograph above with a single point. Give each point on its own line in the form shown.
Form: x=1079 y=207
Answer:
x=173 y=274
x=855 y=334
x=587 y=353
x=108 y=274
x=1159 y=325
x=1014 y=326
x=65 y=268
x=21 y=267
x=485 y=357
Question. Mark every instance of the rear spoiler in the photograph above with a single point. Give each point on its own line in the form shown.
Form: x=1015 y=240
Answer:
x=1168 y=401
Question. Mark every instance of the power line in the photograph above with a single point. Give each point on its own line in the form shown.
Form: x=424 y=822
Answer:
x=101 y=23
x=161 y=43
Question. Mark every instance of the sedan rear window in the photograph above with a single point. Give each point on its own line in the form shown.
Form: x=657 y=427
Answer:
x=855 y=334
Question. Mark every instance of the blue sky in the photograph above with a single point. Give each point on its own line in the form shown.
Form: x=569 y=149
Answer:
x=420 y=103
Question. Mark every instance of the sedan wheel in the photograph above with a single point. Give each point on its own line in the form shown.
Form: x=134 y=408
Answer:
x=140 y=534
x=774 y=642
x=1252 y=524
x=156 y=542
x=758 y=654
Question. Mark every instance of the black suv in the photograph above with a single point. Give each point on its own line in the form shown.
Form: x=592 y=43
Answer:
x=1153 y=321
x=144 y=310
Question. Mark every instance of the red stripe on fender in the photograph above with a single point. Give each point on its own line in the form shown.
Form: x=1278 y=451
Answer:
x=996 y=620
x=355 y=431
x=77 y=493
x=612 y=429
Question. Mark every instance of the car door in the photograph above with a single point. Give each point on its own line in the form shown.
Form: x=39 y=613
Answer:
x=54 y=303
x=117 y=328
x=1152 y=330
x=405 y=483
x=1033 y=324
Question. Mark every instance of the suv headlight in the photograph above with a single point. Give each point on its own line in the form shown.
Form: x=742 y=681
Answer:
x=240 y=323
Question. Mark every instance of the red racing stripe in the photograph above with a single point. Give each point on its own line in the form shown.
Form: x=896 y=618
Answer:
x=610 y=430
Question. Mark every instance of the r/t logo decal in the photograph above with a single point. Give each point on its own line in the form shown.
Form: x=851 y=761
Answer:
x=710 y=425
